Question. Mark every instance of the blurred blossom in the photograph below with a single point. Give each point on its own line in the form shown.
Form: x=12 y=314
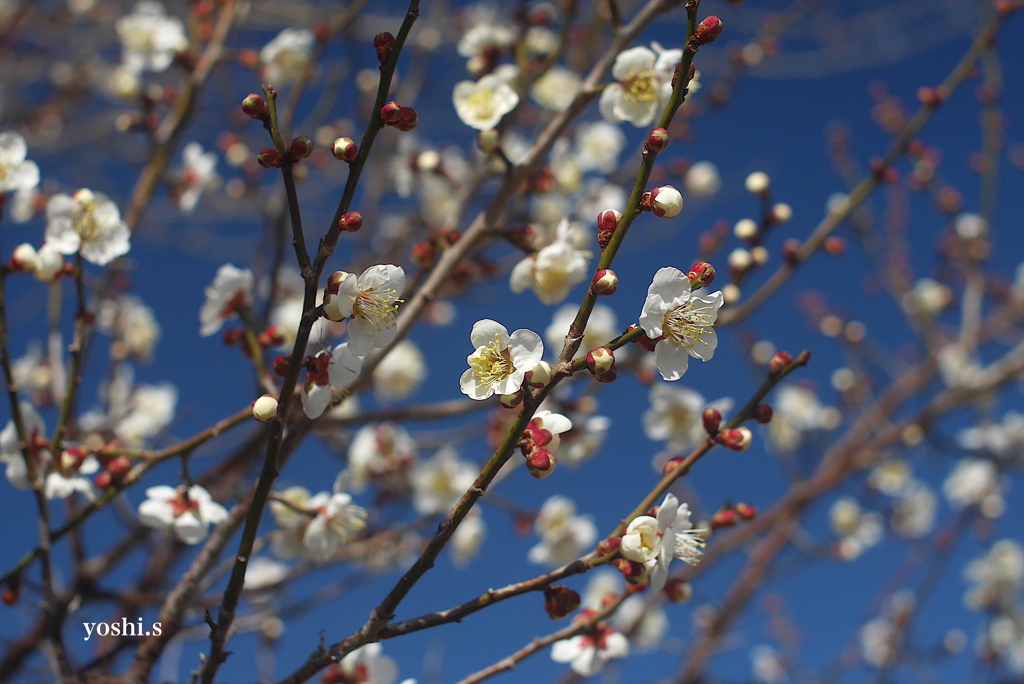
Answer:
x=996 y=577
x=150 y=410
x=583 y=442
x=959 y=368
x=132 y=324
x=16 y=173
x=89 y=223
x=468 y=537
x=675 y=416
x=797 y=410
x=199 y=174
x=367 y=665
x=702 y=180
x=150 y=38
x=231 y=290
x=914 y=510
x=400 y=373
x=10 y=445
x=564 y=536
x=439 y=482
x=857 y=530
x=890 y=476
x=262 y=573
x=188 y=515
x=286 y=57
x=601 y=328
x=588 y=653
x=598 y=145
x=598 y=196
x=601 y=583
x=646 y=627
x=970 y=226
x=1003 y=440
x=381 y=453
x=484 y=33
x=556 y=89
x=928 y=297
x=482 y=104
x=970 y=482
x=879 y=642
x=767 y=664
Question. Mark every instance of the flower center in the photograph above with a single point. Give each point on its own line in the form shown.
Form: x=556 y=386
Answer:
x=639 y=86
x=482 y=103
x=86 y=223
x=685 y=325
x=493 y=365
x=378 y=307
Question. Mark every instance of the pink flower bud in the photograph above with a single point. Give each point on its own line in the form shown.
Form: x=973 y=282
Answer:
x=609 y=545
x=281 y=364
x=541 y=463
x=383 y=43
x=678 y=590
x=763 y=413
x=702 y=274
x=634 y=571
x=24 y=259
x=664 y=202
x=560 y=601
x=707 y=30
x=725 y=517
x=103 y=480
x=265 y=408
x=645 y=342
x=390 y=112
x=605 y=283
x=656 y=141
x=424 y=254
x=511 y=400
x=269 y=158
x=351 y=222
x=118 y=467
x=300 y=148
x=779 y=361
x=712 y=420
x=672 y=464
x=255 y=107
x=345 y=149
x=745 y=511
x=607 y=222
x=407 y=119
x=601 y=364
x=334 y=282
x=738 y=439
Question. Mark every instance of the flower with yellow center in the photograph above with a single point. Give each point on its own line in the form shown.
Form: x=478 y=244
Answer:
x=483 y=103
x=643 y=84
x=16 y=173
x=87 y=222
x=681 y=319
x=500 y=360
x=371 y=300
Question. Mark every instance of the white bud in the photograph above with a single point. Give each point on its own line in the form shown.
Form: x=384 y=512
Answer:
x=745 y=229
x=731 y=293
x=740 y=260
x=702 y=179
x=666 y=201
x=760 y=255
x=782 y=213
x=265 y=408
x=539 y=376
x=758 y=183
x=49 y=264
x=24 y=258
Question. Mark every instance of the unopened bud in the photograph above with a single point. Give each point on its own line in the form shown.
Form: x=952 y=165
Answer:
x=763 y=413
x=269 y=158
x=605 y=283
x=539 y=376
x=118 y=467
x=712 y=420
x=273 y=336
x=255 y=107
x=24 y=259
x=601 y=364
x=725 y=517
x=707 y=30
x=265 y=408
x=835 y=245
x=12 y=592
x=664 y=202
x=701 y=275
x=488 y=141
x=232 y=337
x=424 y=254
x=745 y=511
x=351 y=222
x=672 y=464
x=656 y=141
x=300 y=148
x=383 y=43
x=281 y=364
x=791 y=251
x=511 y=400
x=390 y=112
x=781 y=213
x=560 y=601
x=634 y=571
x=541 y=463
x=407 y=119
x=738 y=439
x=739 y=260
x=745 y=229
x=758 y=183
x=345 y=149
x=779 y=361
x=103 y=480
x=678 y=590
x=609 y=545
x=644 y=341
x=607 y=221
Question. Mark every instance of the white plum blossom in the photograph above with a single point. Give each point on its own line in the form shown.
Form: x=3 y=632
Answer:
x=500 y=360
x=642 y=87
x=65 y=479
x=151 y=408
x=678 y=540
x=438 y=483
x=199 y=174
x=795 y=411
x=552 y=423
x=702 y=180
x=767 y=664
x=371 y=300
x=149 y=38
x=230 y=292
x=1004 y=439
x=334 y=370
x=588 y=653
x=381 y=453
x=601 y=328
x=552 y=271
x=858 y=530
x=286 y=57
x=88 y=223
x=16 y=173
x=467 y=538
x=132 y=324
x=336 y=522
x=641 y=542
x=484 y=33
x=367 y=665
x=186 y=514
x=682 y=320
x=400 y=373
x=10 y=446
x=483 y=103
x=564 y=535
x=675 y=416
x=971 y=481
x=262 y=573
x=556 y=89
x=914 y=510
x=647 y=626
x=997 y=576
x=70 y=477
x=583 y=442
x=598 y=145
